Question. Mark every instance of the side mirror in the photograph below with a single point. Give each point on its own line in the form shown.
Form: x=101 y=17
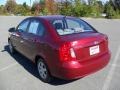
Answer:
x=12 y=29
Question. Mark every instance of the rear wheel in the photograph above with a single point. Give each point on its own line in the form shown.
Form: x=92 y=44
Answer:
x=43 y=71
x=11 y=48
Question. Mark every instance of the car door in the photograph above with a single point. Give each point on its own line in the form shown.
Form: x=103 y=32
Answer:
x=21 y=30
x=36 y=31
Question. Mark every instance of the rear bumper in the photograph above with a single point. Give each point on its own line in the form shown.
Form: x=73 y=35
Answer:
x=74 y=69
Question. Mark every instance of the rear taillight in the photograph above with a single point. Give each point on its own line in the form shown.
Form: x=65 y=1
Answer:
x=106 y=42
x=66 y=52
x=106 y=37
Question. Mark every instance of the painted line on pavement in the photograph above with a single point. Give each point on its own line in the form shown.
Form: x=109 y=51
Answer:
x=10 y=66
x=111 y=71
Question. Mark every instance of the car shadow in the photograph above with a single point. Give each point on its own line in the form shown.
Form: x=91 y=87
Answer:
x=31 y=68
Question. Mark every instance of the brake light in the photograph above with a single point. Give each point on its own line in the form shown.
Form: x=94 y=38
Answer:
x=66 y=52
x=106 y=37
x=106 y=42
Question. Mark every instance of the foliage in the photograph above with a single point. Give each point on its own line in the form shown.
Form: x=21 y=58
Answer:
x=10 y=6
x=66 y=8
x=111 y=11
x=79 y=8
x=2 y=10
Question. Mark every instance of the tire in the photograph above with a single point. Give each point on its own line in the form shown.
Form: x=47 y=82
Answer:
x=43 y=71
x=11 y=48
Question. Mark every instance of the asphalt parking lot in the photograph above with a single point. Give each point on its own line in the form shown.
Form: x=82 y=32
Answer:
x=18 y=73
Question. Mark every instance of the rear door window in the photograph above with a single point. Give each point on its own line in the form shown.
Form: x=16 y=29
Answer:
x=58 y=24
x=41 y=29
x=33 y=27
x=36 y=27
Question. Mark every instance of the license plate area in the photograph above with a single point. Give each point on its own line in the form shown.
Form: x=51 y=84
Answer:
x=94 y=50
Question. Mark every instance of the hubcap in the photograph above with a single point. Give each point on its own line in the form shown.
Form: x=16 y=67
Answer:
x=42 y=70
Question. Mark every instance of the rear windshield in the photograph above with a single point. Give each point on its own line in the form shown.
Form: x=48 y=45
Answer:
x=71 y=26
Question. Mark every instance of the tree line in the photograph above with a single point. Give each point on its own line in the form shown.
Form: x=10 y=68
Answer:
x=79 y=8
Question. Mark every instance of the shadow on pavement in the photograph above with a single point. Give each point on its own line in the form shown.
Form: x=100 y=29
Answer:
x=31 y=68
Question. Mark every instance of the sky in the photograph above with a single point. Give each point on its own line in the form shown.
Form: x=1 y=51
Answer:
x=2 y=2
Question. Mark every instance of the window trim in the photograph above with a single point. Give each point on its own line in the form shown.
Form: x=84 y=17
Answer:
x=23 y=22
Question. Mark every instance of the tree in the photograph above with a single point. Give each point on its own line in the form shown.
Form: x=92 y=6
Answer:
x=101 y=6
x=116 y=4
x=66 y=8
x=109 y=10
x=77 y=8
x=42 y=2
x=26 y=7
x=50 y=5
x=95 y=7
x=81 y=8
x=2 y=9
x=91 y=2
x=20 y=10
x=10 y=6
x=36 y=8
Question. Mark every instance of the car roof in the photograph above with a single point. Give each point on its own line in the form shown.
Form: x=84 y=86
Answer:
x=49 y=17
x=52 y=17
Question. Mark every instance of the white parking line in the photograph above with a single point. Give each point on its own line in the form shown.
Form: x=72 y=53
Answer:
x=114 y=65
x=111 y=71
x=5 y=68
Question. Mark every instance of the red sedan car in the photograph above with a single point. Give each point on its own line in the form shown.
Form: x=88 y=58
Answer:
x=61 y=46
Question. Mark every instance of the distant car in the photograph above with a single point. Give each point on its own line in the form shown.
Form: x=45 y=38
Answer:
x=61 y=46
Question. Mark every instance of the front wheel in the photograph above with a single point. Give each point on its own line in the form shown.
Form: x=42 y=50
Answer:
x=43 y=71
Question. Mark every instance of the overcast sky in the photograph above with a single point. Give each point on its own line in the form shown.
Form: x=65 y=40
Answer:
x=2 y=2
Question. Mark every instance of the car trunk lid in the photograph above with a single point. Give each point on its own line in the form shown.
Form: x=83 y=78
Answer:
x=87 y=45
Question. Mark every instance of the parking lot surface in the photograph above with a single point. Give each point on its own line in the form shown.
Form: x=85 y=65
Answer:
x=18 y=73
